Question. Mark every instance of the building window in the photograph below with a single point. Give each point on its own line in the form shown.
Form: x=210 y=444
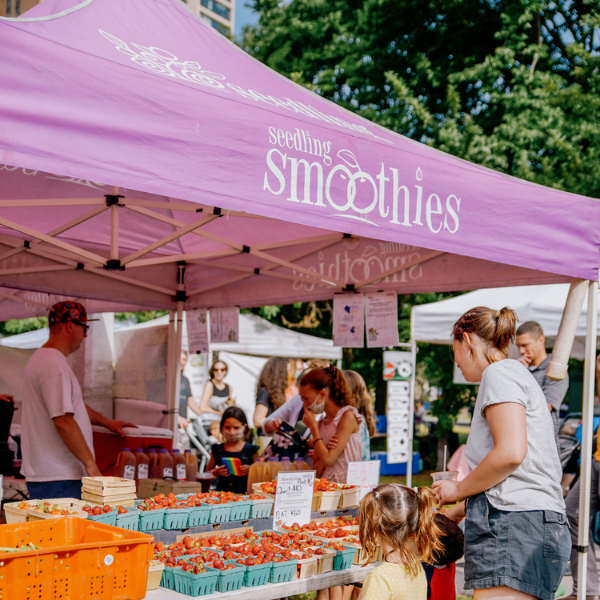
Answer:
x=8 y=8
x=17 y=8
x=217 y=8
x=216 y=25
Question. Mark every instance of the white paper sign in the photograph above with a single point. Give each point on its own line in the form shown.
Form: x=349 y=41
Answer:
x=364 y=474
x=224 y=324
x=382 y=319
x=293 y=497
x=197 y=328
x=398 y=413
x=349 y=320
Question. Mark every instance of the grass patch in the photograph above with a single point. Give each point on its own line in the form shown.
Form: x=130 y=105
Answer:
x=307 y=596
x=422 y=479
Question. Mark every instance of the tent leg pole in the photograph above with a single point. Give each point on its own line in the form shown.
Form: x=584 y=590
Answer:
x=583 y=529
x=411 y=416
x=170 y=344
x=176 y=381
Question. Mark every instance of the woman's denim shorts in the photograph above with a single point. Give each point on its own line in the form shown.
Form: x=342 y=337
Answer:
x=526 y=551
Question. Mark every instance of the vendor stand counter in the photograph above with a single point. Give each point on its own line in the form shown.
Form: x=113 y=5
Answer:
x=170 y=537
x=273 y=591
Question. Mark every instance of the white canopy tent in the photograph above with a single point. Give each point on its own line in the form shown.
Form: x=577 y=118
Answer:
x=258 y=340
x=544 y=304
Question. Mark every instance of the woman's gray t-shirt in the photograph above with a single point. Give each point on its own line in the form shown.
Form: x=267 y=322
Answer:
x=535 y=485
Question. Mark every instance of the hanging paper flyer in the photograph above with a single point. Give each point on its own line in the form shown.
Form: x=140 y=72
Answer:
x=224 y=324
x=197 y=329
x=382 y=319
x=349 y=320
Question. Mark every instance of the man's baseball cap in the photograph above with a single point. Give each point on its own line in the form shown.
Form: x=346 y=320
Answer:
x=63 y=312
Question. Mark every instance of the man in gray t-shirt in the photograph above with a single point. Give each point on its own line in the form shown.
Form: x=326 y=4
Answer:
x=531 y=344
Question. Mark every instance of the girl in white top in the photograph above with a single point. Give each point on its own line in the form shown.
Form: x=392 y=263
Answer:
x=399 y=519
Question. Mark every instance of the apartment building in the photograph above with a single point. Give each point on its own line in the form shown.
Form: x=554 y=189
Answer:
x=14 y=8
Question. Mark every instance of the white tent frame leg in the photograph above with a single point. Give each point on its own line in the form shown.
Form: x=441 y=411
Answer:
x=583 y=528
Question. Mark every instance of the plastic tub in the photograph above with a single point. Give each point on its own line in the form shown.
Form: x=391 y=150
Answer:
x=257 y=575
x=109 y=518
x=129 y=520
x=198 y=516
x=230 y=580
x=78 y=559
x=176 y=518
x=168 y=578
x=190 y=584
x=240 y=511
x=261 y=509
x=152 y=519
x=343 y=559
x=284 y=571
x=219 y=513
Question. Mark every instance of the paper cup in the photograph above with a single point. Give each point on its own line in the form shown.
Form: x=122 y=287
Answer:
x=444 y=475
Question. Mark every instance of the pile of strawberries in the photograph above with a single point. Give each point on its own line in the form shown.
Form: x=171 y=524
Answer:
x=321 y=485
x=96 y=510
x=171 y=501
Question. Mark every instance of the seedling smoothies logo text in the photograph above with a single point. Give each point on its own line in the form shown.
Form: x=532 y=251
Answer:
x=302 y=168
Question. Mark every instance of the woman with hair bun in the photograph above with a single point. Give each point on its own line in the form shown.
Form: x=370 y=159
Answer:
x=517 y=541
x=325 y=390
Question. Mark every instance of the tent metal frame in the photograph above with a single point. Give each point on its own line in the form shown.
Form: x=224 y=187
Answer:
x=67 y=256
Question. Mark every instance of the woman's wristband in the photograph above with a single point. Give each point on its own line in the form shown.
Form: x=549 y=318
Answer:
x=318 y=440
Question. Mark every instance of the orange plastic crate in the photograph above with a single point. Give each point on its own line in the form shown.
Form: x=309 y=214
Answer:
x=78 y=559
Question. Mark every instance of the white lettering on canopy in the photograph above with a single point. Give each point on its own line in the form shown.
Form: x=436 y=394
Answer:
x=348 y=189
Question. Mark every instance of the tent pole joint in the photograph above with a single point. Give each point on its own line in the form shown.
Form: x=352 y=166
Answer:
x=80 y=266
x=27 y=244
x=180 y=296
x=114 y=264
x=113 y=199
x=350 y=287
x=580 y=549
x=217 y=211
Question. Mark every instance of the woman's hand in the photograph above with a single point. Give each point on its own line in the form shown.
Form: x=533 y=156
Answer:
x=310 y=420
x=244 y=469
x=455 y=513
x=333 y=442
x=447 y=492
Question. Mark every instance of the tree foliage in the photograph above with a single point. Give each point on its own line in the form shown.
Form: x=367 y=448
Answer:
x=513 y=85
x=510 y=84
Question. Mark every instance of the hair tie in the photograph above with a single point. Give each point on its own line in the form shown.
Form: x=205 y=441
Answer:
x=376 y=494
x=497 y=314
x=331 y=368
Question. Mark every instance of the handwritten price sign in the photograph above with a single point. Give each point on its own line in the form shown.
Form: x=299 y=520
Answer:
x=293 y=497
x=364 y=474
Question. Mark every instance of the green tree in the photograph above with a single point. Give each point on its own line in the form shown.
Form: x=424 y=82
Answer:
x=510 y=84
x=513 y=85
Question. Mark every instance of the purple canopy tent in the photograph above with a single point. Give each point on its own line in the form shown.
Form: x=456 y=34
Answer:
x=225 y=184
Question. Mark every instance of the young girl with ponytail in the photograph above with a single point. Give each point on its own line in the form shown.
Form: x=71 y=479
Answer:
x=516 y=537
x=325 y=390
x=400 y=519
